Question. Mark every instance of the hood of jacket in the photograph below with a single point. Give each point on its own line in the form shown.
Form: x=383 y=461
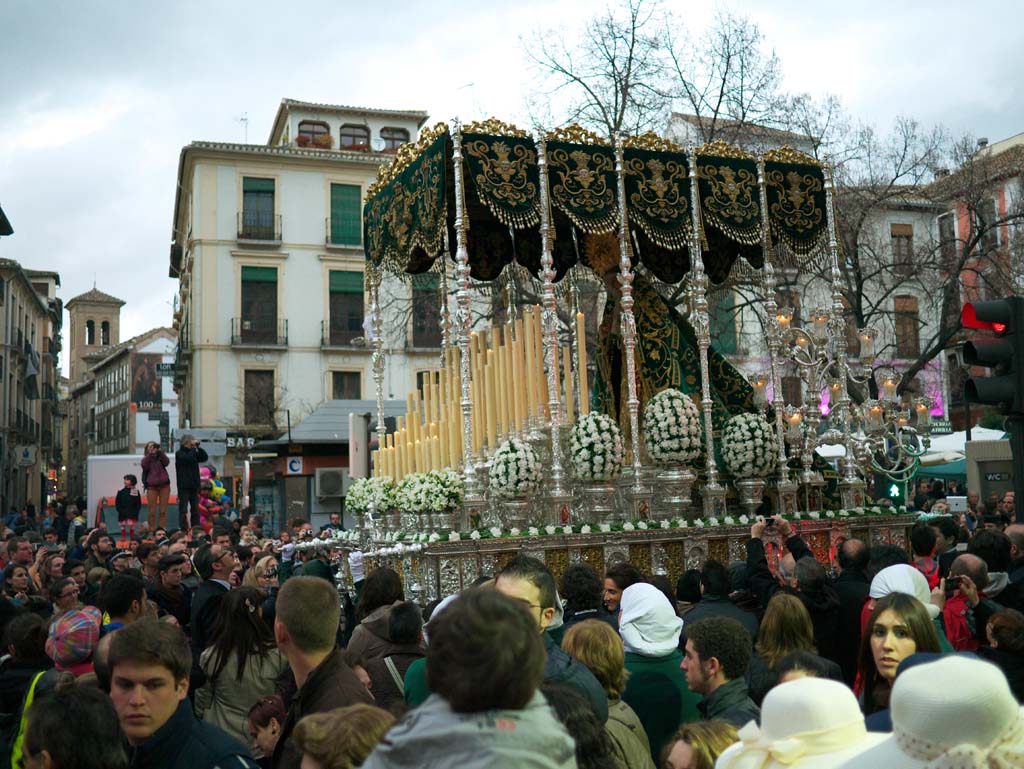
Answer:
x=433 y=735
x=648 y=623
x=377 y=620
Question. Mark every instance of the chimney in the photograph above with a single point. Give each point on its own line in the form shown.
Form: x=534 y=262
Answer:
x=982 y=142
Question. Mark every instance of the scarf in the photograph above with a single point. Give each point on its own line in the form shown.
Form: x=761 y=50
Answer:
x=906 y=579
x=648 y=624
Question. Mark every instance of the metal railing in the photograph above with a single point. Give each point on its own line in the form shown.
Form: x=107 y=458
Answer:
x=259 y=332
x=332 y=240
x=336 y=336
x=259 y=225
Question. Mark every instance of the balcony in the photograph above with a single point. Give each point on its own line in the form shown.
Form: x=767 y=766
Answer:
x=259 y=228
x=333 y=238
x=259 y=332
x=18 y=341
x=337 y=336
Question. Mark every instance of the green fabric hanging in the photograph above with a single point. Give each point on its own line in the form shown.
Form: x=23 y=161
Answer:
x=342 y=282
x=252 y=184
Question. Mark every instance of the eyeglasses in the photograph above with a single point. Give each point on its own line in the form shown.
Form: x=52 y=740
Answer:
x=71 y=594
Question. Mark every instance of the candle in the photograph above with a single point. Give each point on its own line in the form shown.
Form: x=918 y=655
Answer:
x=491 y=400
x=435 y=449
x=509 y=392
x=476 y=421
x=874 y=416
x=820 y=319
x=456 y=447
x=518 y=384
x=889 y=385
x=760 y=385
x=923 y=407
x=543 y=406
x=500 y=401
x=529 y=351
x=784 y=317
x=581 y=345
x=802 y=340
x=866 y=336
x=570 y=412
x=428 y=404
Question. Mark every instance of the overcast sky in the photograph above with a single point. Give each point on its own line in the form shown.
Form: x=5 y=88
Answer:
x=97 y=98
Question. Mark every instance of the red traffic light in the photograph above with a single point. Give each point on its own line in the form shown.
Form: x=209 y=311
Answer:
x=969 y=317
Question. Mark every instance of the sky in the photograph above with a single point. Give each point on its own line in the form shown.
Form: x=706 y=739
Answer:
x=99 y=97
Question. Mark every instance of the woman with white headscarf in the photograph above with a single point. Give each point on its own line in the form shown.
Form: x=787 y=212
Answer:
x=903 y=578
x=656 y=688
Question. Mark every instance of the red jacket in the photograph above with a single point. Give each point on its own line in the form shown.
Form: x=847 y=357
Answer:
x=958 y=618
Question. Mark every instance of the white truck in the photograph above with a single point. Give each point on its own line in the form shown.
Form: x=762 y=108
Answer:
x=105 y=477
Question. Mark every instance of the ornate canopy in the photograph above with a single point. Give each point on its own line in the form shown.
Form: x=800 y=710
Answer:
x=410 y=213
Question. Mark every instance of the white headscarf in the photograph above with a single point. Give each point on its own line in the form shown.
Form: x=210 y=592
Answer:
x=903 y=578
x=648 y=623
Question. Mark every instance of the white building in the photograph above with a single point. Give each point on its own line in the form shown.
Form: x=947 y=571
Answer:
x=268 y=249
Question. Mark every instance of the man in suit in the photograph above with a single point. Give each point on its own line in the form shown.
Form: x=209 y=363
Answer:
x=852 y=586
x=214 y=563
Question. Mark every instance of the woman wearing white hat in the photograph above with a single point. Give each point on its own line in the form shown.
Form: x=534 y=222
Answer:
x=903 y=578
x=810 y=723
x=954 y=713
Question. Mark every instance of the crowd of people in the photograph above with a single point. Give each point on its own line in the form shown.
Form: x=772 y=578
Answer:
x=233 y=648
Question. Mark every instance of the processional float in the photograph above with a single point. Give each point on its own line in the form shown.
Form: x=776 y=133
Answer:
x=499 y=451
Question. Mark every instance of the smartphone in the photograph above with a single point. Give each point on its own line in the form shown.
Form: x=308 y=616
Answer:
x=953 y=585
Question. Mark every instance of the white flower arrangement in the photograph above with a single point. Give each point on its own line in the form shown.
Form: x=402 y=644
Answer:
x=749 y=448
x=474 y=535
x=595 y=447
x=744 y=519
x=495 y=532
x=627 y=526
x=729 y=520
x=666 y=524
x=549 y=529
x=454 y=536
x=604 y=528
x=533 y=531
x=712 y=521
x=642 y=525
x=814 y=516
x=432 y=492
x=699 y=523
x=672 y=428
x=585 y=529
x=363 y=490
x=514 y=531
x=516 y=470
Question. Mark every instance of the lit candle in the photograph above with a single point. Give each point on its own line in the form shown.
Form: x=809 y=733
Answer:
x=793 y=419
x=889 y=385
x=581 y=346
x=543 y=407
x=530 y=351
x=435 y=450
x=923 y=407
x=802 y=340
x=760 y=385
x=570 y=411
x=866 y=336
x=491 y=400
x=516 y=383
x=784 y=317
x=820 y=318
x=874 y=416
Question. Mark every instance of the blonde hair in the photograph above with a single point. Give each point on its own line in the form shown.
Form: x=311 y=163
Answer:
x=599 y=647
x=344 y=737
x=708 y=739
x=786 y=628
x=261 y=567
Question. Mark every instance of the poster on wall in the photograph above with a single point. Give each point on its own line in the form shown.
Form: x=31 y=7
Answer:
x=147 y=385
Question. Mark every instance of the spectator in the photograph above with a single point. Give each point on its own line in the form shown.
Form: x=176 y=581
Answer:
x=264 y=577
x=786 y=628
x=186 y=466
x=947 y=536
x=358 y=665
x=616 y=579
x=128 y=503
x=852 y=587
x=993 y=547
x=715 y=587
x=581 y=592
x=970 y=720
x=387 y=672
x=100 y=547
x=76 y=727
x=966 y=610
x=241 y=664
x=1005 y=636
x=170 y=597
x=698 y=745
x=883 y=556
x=903 y=578
x=149 y=663
x=688 y=592
x=806 y=664
x=923 y=543
x=529 y=581
x=806 y=724
x=64 y=595
x=334 y=525
x=342 y=738
x=381 y=590
x=123 y=598
x=594 y=748
x=264 y=724
x=599 y=647
x=656 y=689
x=19 y=591
x=157 y=483
x=898 y=626
x=19 y=551
x=214 y=564
x=486 y=710
x=25 y=643
x=148 y=555
x=717 y=656
x=306 y=626
x=52 y=569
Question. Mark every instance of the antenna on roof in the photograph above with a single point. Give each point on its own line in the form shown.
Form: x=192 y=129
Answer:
x=244 y=120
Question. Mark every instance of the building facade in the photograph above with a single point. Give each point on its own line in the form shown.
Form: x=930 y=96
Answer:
x=268 y=251
x=30 y=329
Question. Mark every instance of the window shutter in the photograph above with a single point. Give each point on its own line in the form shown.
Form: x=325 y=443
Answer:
x=251 y=184
x=259 y=274
x=901 y=230
x=346 y=282
x=346 y=216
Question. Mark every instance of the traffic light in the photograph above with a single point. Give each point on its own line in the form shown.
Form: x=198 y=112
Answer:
x=1003 y=353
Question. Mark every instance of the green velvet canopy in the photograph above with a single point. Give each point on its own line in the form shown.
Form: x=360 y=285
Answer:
x=413 y=202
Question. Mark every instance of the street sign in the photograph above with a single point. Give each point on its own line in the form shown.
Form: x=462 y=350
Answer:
x=941 y=427
x=293 y=466
x=165 y=369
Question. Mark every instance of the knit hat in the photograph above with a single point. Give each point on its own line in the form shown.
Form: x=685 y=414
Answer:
x=648 y=623
x=903 y=578
x=954 y=713
x=73 y=637
x=809 y=723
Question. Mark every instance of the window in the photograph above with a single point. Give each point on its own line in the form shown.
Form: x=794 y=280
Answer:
x=792 y=390
x=987 y=217
x=257 y=209
x=426 y=311
x=90 y=332
x=355 y=138
x=394 y=138
x=346 y=217
x=346 y=306
x=259 y=304
x=902 y=238
x=313 y=132
x=105 y=332
x=947 y=240
x=346 y=385
x=723 y=322
x=259 y=397
x=908 y=341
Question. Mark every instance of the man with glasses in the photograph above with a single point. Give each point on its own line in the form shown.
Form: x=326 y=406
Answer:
x=529 y=581
x=214 y=564
x=169 y=594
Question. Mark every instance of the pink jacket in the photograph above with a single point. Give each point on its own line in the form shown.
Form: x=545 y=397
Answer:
x=154 y=471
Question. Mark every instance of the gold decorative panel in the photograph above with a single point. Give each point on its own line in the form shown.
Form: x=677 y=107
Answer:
x=594 y=557
x=718 y=549
x=640 y=556
x=558 y=562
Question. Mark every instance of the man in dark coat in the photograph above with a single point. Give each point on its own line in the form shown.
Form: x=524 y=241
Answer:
x=717 y=655
x=852 y=586
x=186 y=466
x=305 y=627
x=214 y=564
x=715 y=587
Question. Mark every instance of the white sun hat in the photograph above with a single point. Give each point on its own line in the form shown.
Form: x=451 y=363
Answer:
x=954 y=713
x=809 y=723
